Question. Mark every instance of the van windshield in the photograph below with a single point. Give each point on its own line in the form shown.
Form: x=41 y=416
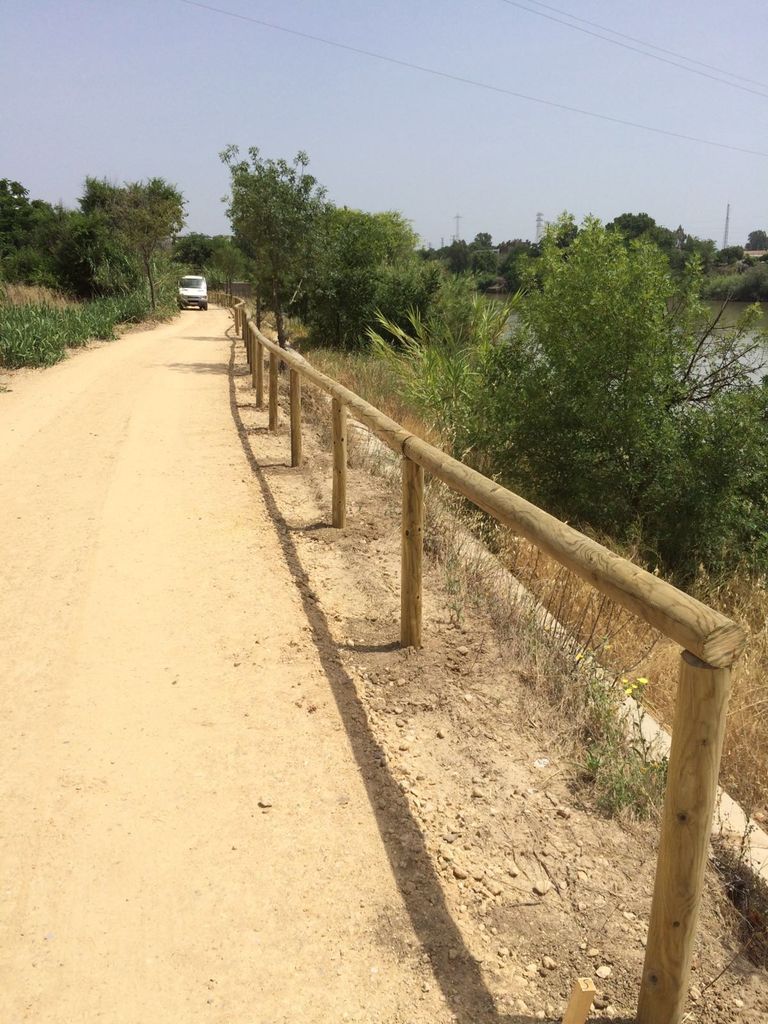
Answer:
x=192 y=282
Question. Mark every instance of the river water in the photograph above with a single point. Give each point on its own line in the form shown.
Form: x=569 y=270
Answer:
x=732 y=312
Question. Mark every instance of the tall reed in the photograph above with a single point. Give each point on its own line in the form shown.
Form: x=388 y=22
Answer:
x=39 y=333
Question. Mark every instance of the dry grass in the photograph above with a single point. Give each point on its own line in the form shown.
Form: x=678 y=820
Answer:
x=647 y=664
x=743 y=597
x=33 y=295
x=642 y=661
x=372 y=380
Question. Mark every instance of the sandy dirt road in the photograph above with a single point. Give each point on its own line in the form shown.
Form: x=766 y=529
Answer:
x=154 y=653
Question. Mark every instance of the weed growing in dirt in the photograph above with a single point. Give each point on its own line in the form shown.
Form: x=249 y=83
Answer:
x=618 y=766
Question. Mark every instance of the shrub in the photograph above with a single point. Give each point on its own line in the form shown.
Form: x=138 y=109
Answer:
x=364 y=261
x=751 y=286
x=616 y=402
x=620 y=405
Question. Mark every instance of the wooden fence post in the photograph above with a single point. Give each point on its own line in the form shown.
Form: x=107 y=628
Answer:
x=694 y=766
x=339 y=433
x=257 y=372
x=412 y=553
x=295 y=378
x=247 y=339
x=272 y=391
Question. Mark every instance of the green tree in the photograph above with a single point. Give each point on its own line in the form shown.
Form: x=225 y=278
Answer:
x=746 y=285
x=194 y=251
x=91 y=259
x=677 y=245
x=441 y=359
x=615 y=400
x=15 y=215
x=730 y=255
x=634 y=225
x=148 y=215
x=483 y=260
x=145 y=217
x=226 y=263
x=29 y=230
x=515 y=256
x=456 y=256
x=757 y=240
x=363 y=261
x=274 y=207
x=99 y=196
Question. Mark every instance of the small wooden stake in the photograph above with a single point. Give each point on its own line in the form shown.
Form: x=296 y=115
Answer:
x=257 y=373
x=273 y=420
x=295 y=378
x=411 y=554
x=339 y=435
x=580 y=1003
x=694 y=766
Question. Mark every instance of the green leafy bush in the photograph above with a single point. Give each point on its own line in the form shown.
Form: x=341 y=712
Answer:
x=751 y=286
x=363 y=262
x=617 y=401
x=621 y=404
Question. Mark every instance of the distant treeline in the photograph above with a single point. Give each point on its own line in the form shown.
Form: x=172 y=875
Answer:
x=730 y=273
x=117 y=240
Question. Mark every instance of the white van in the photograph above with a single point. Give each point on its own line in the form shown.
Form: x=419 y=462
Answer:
x=193 y=291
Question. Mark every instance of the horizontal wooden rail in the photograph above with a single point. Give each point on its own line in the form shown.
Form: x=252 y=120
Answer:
x=708 y=634
x=711 y=641
x=705 y=632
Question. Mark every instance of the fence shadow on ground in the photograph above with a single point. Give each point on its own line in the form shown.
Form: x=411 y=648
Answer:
x=455 y=970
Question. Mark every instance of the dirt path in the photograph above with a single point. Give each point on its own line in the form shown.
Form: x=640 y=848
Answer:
x=226 y=795
x=181 y=841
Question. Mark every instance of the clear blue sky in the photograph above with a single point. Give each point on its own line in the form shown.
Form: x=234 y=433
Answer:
x=138 y=88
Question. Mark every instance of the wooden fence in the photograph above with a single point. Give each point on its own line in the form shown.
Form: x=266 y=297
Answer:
x=711 y=644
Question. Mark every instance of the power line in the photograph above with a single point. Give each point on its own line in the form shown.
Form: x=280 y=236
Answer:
x=636 y=49
x=650 y=46
x=471 y=81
